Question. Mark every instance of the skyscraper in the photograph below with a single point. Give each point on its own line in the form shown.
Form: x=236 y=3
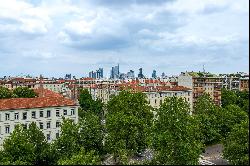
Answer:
x=154 y=74
x=140 y=75
x=98 y=74
x=131 y=74
x=115 y=73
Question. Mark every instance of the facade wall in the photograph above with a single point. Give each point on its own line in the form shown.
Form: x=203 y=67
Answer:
x=10 y=118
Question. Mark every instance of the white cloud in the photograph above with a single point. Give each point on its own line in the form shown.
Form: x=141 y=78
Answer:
x=77 y=33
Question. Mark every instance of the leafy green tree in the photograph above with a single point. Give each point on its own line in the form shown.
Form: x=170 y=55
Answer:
x=243 y=100
x=81 y=158
x=5 y=93
x=24 y=92
x=128 y=122
x=236 y=145
x=207 y=113
x=68 y=142
x=91 y=132
x=88 y=104
x=228 y=97
x=26 y=146
x=228 y=117
x=176 y=134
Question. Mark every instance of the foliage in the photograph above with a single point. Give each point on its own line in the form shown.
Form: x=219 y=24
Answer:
x=176 y=136
x=228 y=97
x=207 y=114
x=67 y=144
x=24 y=92
x=128 y=121
x=229 y=116
x=5 y=93
x=240 y=98
x=81 y=158
x=236 y=145
x=88 y=104
x=25 y=146
x=91 y=132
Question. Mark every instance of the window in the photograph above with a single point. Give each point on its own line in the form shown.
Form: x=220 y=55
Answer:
x=24 y=115
x=16 y=115
x=48 y=137
x=48 y=113
x=57 y=113
x=41 y=125
x=7 y=129
x=72 y=111
x=33 y=114
x=41 y=114
x=7 y=116
x=48 y=125
x=57 y=135
x=64 y=112
x=57 y=124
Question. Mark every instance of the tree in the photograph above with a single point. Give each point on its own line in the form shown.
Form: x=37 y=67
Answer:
x=5 y=93
x=88 y=104
x=24 y=92
x=128 y=121
x=243 y=100
x=91 y=132
x=81 y=158
x=68 y=142
x=230 y=116
x=26 y=146
x=207 y=114
x=176 y=134
x=228 y=97
x=236 y=145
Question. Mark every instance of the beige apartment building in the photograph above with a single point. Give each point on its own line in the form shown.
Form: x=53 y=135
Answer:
x=201 y=85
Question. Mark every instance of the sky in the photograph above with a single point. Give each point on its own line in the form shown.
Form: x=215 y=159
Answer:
x=57 y=37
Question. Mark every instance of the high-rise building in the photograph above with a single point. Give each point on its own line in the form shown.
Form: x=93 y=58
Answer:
x=97 y=75
x=140 y=75
x=131 y=74
x=115 y=73
x=68 y=77
x=163 y=75
x=154 y=74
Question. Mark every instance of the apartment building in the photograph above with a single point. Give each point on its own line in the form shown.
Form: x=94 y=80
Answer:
x=155 y=95
x=47 y=111
x=20 y=82
x=244 y=84
x=202 y=84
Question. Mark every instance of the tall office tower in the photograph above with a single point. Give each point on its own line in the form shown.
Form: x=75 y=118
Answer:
x=99 y=73
x=163 y=75
x=68 y=77
x=140 y=75
x=92 y=74
x=115 y=73
x=131 y=74
x=154 y=74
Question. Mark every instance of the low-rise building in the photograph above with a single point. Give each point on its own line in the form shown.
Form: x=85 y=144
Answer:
x=47 y=111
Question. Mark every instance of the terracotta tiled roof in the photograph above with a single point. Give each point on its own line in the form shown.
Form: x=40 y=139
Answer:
x=49 y=99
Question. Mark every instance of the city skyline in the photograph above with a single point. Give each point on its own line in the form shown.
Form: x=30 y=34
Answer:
x=54 y=38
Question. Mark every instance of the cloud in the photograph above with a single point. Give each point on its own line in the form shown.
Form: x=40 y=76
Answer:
x=166 y=35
